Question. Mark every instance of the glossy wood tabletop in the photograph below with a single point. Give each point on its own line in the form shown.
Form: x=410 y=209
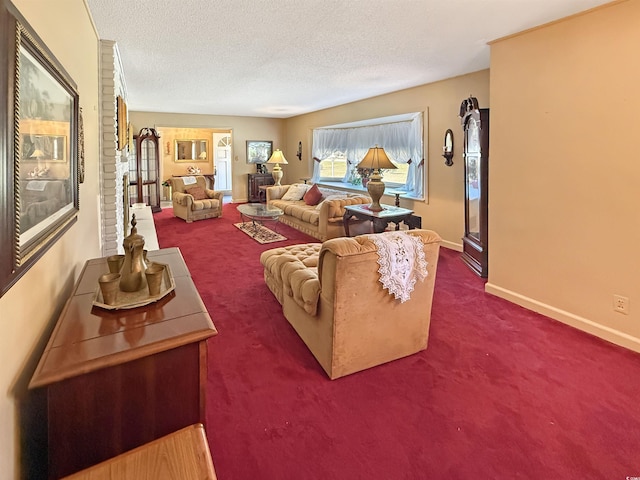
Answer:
x=87 y=337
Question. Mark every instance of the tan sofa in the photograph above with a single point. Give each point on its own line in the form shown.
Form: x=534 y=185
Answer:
x=322 y=222
x=331 y=294
x=185 y=206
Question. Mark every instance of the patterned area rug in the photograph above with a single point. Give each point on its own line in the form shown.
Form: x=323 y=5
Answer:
x=260 y=233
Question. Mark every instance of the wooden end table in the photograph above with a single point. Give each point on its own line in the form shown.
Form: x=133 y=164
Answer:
x=381 y=219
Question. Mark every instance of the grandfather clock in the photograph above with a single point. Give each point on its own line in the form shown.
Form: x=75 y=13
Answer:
x=475 y=243
x=144 y=170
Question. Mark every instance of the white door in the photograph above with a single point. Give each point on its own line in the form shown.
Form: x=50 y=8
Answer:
x=222 y=161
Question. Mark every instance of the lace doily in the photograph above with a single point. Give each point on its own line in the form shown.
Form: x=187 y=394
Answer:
x=402 y=262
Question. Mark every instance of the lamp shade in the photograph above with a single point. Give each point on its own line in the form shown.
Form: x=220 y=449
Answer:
x=376 y=157
x=37 y=153
x=277 y=157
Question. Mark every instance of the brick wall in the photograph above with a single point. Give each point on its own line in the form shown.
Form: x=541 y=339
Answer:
x=113 y=162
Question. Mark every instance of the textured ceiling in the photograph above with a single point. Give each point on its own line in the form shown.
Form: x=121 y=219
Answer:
x=280 y=58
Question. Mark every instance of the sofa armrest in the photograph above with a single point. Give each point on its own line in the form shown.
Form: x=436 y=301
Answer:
x=183 y=199
x=275 y=193
x=301 y=283
x=216 y=195
x=333 y=210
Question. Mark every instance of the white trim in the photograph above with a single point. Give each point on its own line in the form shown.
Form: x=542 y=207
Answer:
x=451 y=246
x=609 y=334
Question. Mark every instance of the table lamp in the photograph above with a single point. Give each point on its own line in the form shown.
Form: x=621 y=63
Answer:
x=277 y=158
x=375 y=159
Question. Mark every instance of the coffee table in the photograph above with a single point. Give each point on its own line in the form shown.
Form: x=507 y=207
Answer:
x=258 y=213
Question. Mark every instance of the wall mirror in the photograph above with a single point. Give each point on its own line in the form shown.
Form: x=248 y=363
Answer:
x=447 y=148
x=192 y=150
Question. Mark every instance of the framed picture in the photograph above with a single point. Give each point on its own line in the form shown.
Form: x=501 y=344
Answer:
x=123 y=137
x=259 y=151
x=39 y=182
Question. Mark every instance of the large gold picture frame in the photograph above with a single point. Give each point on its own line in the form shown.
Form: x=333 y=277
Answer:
x=39 y=166
x=123 y=137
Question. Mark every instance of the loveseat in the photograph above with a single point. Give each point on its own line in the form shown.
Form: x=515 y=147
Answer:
x=192 y=200
x=332 y=296
x=321 y=220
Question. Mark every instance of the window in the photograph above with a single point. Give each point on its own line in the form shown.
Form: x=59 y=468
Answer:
x=338 y=149
x=398 y=177
x=334 y=167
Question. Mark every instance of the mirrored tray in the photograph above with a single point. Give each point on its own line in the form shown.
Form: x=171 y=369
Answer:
x=139 y=298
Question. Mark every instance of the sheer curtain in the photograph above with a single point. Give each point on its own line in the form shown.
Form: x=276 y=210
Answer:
x=401 y=140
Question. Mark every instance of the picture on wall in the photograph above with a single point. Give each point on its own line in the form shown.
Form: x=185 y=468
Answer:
x=123 y=137
x=43 y=166
x=259 y=151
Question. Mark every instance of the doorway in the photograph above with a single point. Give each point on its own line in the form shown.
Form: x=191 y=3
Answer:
x=222 y=161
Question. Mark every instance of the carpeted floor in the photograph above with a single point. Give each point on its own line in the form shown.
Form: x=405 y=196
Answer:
x=500 y=393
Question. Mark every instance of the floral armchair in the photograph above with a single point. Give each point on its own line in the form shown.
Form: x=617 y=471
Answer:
x=192 y=200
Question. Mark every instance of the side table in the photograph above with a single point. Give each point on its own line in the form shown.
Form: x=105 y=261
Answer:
x=262 y=193
x=381 y=219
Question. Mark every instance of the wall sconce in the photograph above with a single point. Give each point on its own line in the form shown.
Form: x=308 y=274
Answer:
x=447 y=148
x=299 y=154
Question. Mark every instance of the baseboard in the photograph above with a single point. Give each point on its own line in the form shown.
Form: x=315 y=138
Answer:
x=451 y=246
x=609 y=334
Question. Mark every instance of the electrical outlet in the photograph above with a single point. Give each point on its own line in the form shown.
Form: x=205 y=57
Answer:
x=621 y=304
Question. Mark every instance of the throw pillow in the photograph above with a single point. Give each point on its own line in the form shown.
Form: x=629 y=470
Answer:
x=295 y=192
x=197 y=193
x=313 y=195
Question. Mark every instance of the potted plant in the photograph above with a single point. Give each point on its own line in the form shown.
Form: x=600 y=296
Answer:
x=364 y=175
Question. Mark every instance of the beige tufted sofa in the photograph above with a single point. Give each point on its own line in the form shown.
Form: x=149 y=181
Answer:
x=322 y=223
x=330 y=293
x=190 y=209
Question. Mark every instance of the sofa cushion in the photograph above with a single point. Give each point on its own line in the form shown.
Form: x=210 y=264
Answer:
x=313 y=196
x=299 y=209
x=197 y=193
x=334 y=196
x=295 y=192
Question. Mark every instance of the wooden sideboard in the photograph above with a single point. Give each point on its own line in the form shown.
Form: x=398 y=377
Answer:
x=118 y=379
x=256 y=180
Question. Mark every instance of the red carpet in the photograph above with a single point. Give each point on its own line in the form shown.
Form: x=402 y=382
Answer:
x=500 y=393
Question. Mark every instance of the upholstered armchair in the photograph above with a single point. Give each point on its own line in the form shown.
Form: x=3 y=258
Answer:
x=332 y=295
x=192 y=200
